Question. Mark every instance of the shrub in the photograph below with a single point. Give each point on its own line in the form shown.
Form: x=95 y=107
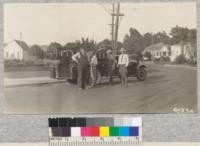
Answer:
x=156 y=59
x=164 y=59
x=180 y=59
x=17 y=63
x=147 y=55
x=11 y=63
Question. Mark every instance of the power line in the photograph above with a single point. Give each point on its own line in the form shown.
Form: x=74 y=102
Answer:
x=116 y=21
x=108 y=11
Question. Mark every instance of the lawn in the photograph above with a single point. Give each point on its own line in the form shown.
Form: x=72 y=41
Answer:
x=27 y=72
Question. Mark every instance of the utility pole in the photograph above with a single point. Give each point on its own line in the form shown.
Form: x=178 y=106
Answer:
x=112 y=25
x=118 y=15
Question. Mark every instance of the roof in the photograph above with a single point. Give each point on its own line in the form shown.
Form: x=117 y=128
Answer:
x=44 y=47
x=22 y=44
x=157 y=46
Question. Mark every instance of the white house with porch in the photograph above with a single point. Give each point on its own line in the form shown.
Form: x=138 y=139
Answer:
x=172 y=51
x=158 y=50
x=183 y=48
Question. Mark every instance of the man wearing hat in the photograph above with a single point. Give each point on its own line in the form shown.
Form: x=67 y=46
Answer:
x=111 y=61
x=123 y=62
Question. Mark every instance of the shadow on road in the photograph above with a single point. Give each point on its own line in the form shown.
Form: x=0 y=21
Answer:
x=132 y=80
x=153 y=70
x=156 y=79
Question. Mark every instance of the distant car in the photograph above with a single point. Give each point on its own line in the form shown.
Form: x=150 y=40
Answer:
x=145 y=58
x=135 y=69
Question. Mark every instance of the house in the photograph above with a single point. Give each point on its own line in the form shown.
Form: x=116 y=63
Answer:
x=172 y=51
x=16 y=50
x=184 y=48
x=158 y=50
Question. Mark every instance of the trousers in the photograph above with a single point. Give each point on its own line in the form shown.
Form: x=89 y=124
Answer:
x=123 y=74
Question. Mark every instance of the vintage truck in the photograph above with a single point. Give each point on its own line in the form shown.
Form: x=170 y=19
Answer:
x=135 y=69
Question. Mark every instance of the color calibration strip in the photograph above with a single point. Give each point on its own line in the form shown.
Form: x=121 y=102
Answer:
x=93 y=131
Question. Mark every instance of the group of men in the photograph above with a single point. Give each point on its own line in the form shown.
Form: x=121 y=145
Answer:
x=87 y=62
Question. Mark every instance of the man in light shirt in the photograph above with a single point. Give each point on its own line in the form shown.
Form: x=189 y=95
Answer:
x=93 y=70
x=123 y=62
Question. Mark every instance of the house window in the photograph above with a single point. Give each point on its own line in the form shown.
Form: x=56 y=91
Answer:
x=164 y=53
x=157 y=53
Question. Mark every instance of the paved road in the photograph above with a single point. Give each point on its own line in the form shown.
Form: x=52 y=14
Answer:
x=164 y=89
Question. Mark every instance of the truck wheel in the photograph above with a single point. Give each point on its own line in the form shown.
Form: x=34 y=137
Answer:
x=141 y=74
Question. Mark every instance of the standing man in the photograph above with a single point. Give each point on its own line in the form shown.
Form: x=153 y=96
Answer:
x=111 y=65
x=93 y=69
x=82 y=60
x=123 y=64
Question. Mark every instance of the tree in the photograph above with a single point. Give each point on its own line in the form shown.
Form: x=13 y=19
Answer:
x=54 y=46
x=148 y=39
x=192 y=36
x=88 y=44
x=54 y=50
x=105 y=44
x=179 y=34
x=84 y=43
x=161 y=37
x=36 y=51
x=134 y=42
x=73 y=46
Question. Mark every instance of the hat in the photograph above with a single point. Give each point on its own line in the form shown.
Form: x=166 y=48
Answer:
x=108 y=51
x=122 y=50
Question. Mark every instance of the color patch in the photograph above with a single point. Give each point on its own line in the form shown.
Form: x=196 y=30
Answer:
x=123 y=131
x=81 y=122
x=66 y=131
x=104 y=131
x=90 y=122
x=134 y=122
x=75 y=131
x=64 y=122
x=114 y=131
x=118 y=122
x=134 y=131
x=95 y=127
x=95 y=131
x=85 y=131
x=56 y=131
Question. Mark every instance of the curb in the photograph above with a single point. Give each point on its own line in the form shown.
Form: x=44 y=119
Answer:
x=32 y=84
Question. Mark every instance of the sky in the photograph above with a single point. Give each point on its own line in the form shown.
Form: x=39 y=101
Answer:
x=66 y=22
